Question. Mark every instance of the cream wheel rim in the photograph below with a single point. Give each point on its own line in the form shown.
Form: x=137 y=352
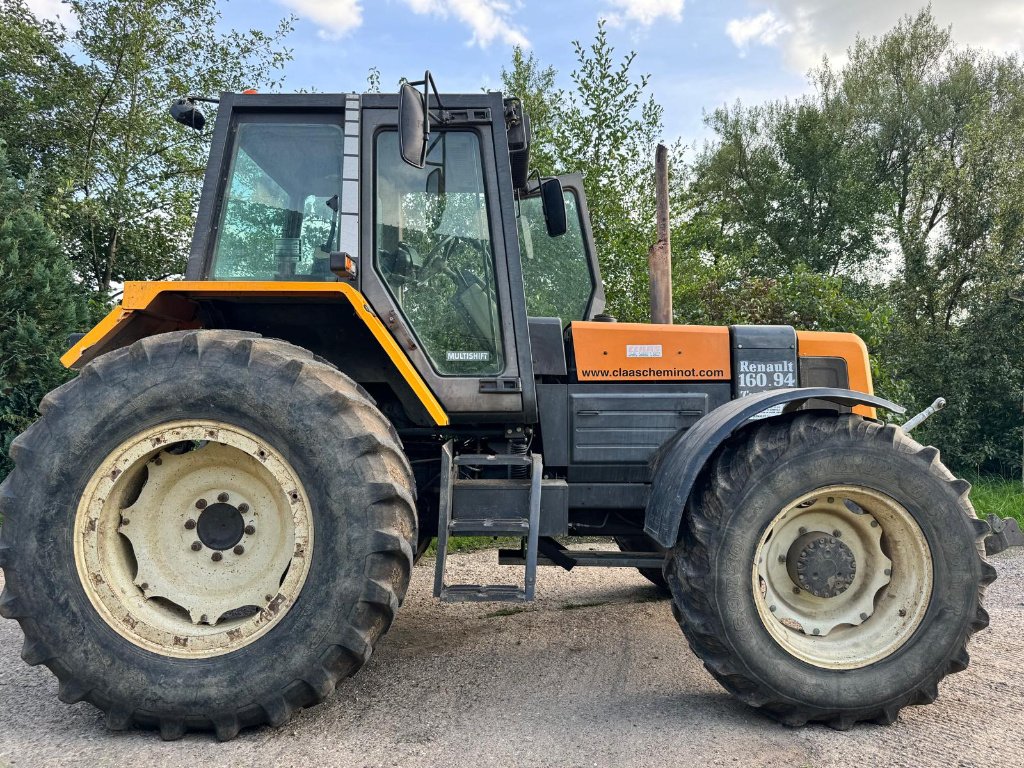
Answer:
x=842 y=577
x=193 y=539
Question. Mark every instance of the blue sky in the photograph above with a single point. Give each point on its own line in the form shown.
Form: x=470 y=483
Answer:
x=693 y=64
x=700 y=53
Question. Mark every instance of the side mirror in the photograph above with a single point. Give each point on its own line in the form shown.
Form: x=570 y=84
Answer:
x=553 y=205
x=187 y=113
x=413 y=126
x=435 y=182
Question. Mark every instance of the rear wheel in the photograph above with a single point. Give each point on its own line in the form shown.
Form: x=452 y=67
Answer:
x=210 y=508
x=830 y=570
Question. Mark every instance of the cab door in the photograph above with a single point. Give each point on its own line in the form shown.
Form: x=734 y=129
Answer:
x=435 y=255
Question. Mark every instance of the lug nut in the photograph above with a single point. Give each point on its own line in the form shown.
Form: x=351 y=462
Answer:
x=837 y=533
x=196 y=546
x=243 y=507
x=216 y=557
x=201 y=504
x=803 y=531
x=250 y=529
x=782 y=558
x=190 y=524
x=222 y=497
x=239 y=549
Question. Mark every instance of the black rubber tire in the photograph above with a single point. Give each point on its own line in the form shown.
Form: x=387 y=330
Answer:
x=644 y=544
x=362 y=498
x=745 y=486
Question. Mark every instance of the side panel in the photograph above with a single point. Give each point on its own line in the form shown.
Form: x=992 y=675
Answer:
x=641 y=352
x=850 y=348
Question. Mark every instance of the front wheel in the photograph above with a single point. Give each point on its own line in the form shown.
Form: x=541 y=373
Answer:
x=829 y=570
x=206 y=529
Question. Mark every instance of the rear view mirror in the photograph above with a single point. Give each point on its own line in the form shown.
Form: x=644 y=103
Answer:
x=413 y=125
x=553 y=204
x=187 y=113
x=435 y=182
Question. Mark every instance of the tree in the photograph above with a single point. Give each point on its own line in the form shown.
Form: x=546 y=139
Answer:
x=40 y=304
x=122 y=179
x=900 y=174
x=535 y=86
x=606 y=127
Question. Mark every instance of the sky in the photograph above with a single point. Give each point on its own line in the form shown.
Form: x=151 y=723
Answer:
x=700 y=53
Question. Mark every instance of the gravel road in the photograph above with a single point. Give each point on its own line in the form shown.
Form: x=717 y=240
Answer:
x=595 y=673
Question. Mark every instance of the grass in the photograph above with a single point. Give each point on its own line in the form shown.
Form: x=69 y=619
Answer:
x=472 y=544
x=996 y=495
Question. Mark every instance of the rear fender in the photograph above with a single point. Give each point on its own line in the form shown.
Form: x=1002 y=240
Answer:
x=150 y=308
x=681 y=459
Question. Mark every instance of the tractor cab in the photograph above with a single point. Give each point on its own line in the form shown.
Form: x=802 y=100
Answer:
x=427 y=211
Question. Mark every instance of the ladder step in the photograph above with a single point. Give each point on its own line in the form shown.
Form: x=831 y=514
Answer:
x=477 y=593
x=492 y=526
x=501 y=460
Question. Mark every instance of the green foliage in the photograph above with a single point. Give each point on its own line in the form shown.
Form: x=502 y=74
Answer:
x=606 y=127
x=899 y=173
x=120 y=180
x=40 y=304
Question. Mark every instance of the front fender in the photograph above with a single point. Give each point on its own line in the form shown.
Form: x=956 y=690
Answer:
x=681 y=459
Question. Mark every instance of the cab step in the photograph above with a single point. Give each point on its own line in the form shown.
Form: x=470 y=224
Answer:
x=453 y=522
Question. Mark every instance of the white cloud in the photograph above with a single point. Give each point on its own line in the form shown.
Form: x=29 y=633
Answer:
x=806 y=30
x=488 y=20
x=644 y=12
x=764 y=28
x=55 y=10
x=335 y=18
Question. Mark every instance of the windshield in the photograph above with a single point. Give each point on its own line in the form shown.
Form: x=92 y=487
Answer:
x=556 y=271
x=279 y=219
x=433 y=248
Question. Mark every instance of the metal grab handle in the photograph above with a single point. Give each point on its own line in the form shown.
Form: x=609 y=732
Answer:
x=938 y=405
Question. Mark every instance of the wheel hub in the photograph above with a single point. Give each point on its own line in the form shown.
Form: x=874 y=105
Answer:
x=192 y=538
x=822 y=564
x=220 y=526
x=842 y=576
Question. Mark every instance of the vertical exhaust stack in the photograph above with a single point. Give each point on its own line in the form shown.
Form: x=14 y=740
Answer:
x=659 y=258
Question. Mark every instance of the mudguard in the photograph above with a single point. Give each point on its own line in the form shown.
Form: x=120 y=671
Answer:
x=681 y=459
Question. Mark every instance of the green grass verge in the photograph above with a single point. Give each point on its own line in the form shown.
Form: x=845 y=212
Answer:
x=472 y=544
x=996 y=495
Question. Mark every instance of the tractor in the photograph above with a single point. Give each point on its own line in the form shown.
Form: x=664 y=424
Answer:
x=390 y=332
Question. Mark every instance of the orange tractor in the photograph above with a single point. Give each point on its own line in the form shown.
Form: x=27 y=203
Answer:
x=390 y=333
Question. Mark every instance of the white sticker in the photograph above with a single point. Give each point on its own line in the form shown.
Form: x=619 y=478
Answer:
x=462 y=357
x=643 y=350
x=775 y=410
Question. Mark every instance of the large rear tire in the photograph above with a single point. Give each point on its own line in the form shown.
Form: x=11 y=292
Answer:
x=206 y=529
x=829 y=570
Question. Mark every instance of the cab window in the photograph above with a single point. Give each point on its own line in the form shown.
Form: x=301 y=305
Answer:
x=433 y=248
x=556 y=271
x=279 y=217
